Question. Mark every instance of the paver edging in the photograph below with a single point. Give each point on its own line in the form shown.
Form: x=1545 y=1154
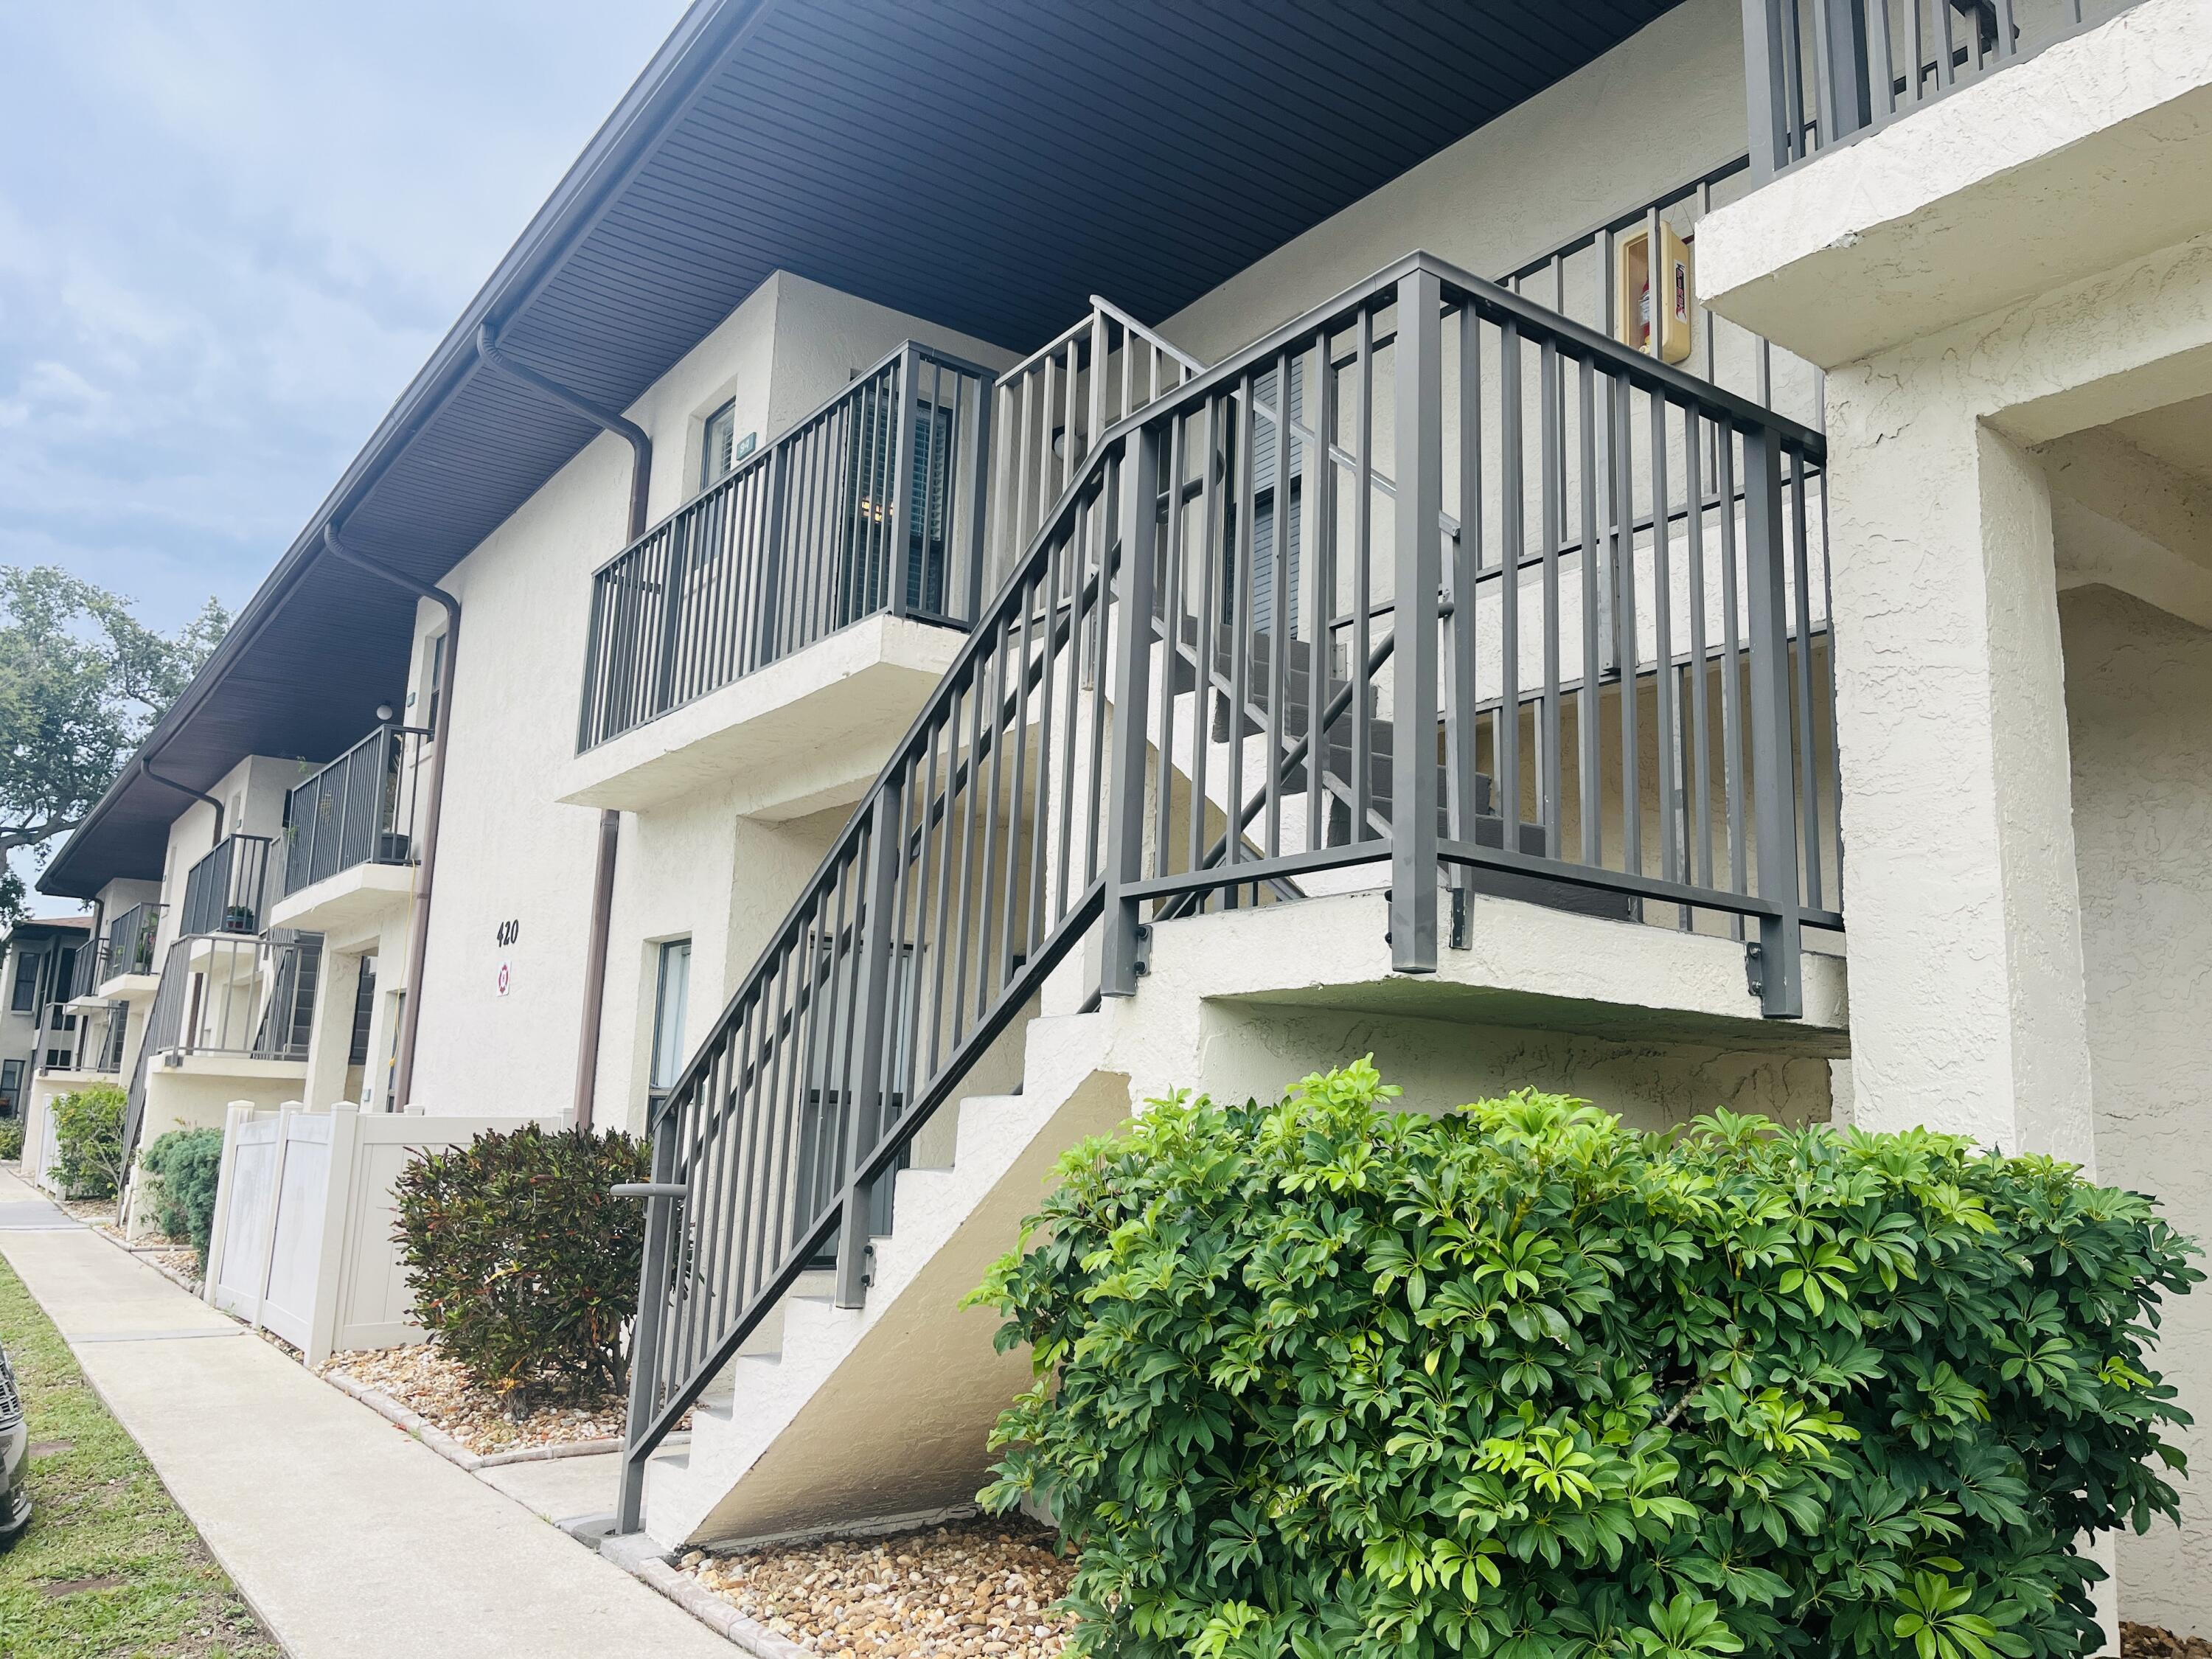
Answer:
x=718 y=1615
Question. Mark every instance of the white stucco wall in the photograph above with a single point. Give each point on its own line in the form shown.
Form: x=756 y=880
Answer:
x=2138 y=683
x=508 y=852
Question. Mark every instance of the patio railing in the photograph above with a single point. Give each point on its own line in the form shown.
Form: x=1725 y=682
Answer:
x=129 y=947
x=223 y=892
x=1822 y=71
x=873 y=504
x=360 y=808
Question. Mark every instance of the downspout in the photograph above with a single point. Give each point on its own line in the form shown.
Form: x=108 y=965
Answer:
x=146 y=770
x=603 y=875
x=418 y=935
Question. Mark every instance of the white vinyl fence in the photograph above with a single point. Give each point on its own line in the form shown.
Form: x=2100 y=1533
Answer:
x=302 y=1243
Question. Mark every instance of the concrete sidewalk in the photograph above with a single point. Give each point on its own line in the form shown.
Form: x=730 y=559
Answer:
x=348 y=1538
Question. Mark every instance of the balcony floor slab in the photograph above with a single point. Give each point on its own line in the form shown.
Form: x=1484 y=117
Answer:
x=806 y=734
x=2092 y=152
x=356 y=900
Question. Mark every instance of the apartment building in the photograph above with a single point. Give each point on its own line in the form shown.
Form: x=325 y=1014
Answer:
x=42 y=964
x=978 y=563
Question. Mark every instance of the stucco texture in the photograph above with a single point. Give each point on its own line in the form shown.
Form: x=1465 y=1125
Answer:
x=2138 y=683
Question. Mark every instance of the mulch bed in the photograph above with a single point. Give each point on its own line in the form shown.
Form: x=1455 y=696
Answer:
x=423 y=1379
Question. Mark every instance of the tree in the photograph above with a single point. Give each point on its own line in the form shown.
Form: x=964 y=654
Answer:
x=82 y=681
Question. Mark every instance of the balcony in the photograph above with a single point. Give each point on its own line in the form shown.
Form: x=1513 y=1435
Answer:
x=1824 y=72
x=862 y=524
x=1908 y=152
x=126 y=955
x=223 y=891
x=351 y=834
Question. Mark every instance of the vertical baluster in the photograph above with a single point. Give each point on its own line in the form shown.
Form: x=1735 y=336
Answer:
x=1420 y=426
x=1244 y=545
x=1279 y=629
x=1774 y=805
x=1589 y=702
x=1463 y=700
x=1700 y=664
x=1512 y=542
x=1628 y=649
x=1210 y=464
x=1139 y=480
x=1320 y=581
x=1809 y=812
x=1666 y=727
x=1363 y=587
x=1555 y=451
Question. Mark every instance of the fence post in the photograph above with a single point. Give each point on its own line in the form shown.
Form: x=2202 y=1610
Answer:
x=1771 y=137
x=1418 y=565
x=1124 y=800
x=864 y=1091
x=645 y=1329
x=1774 y=801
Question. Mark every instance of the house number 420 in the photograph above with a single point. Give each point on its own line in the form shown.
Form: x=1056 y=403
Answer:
x=509 y=933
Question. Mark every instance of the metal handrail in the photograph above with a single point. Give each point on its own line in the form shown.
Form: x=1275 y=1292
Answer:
x=1005 y=825
x=873 y=504
x=1057 y=402
x=358 y=809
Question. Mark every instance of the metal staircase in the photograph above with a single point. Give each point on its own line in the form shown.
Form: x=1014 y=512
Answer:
x=1595 y=681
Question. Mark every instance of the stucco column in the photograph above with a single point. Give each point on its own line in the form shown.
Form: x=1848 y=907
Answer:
x=329 y=1040
x=1967 y=1007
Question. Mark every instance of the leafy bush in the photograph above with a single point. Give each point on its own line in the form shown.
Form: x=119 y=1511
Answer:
x=88 y=1141
x=185 y=1165
x=11 y=1139
x=523 y=1266
x=1324 y=1379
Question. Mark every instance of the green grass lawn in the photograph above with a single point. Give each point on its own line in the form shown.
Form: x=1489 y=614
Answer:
x=109 y=1567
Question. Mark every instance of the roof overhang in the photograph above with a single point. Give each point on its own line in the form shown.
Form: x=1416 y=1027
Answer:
x=985 y=164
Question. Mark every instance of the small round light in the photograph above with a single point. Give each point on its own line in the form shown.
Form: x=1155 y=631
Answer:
x=384 y=711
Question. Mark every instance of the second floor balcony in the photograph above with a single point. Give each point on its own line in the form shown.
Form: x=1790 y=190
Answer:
x=127 y=952
x=225 y=890
x=871 y=505
x=352 y=832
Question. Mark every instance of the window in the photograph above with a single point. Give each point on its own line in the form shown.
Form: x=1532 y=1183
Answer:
x=11 y=1087
x=23 y=996
x=364 y=1008
x=673 y=991
x=721 y=449
x=64 y=974
x=434 y=678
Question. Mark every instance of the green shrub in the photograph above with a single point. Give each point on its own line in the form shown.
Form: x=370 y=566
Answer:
x=88 y=1141
x=184 y=1164
x=1323 y=1378
x=11 y=1139
x=522 y=1264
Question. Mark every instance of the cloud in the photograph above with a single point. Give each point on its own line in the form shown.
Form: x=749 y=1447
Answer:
x=230 y=234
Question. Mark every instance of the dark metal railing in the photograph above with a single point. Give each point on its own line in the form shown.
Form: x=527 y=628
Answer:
x=1054 y=405
x=223 y=892
x=360 y=808
x=1580 y=278
x=1822 y=71
x=129 y=946
x=1304 y=613
x=874 y=503
x=222 y=994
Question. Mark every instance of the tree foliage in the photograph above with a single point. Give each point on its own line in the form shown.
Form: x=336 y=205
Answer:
x=523 y=1264
x=81 y=682
x=1322 y=1378
x=88 y=1125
